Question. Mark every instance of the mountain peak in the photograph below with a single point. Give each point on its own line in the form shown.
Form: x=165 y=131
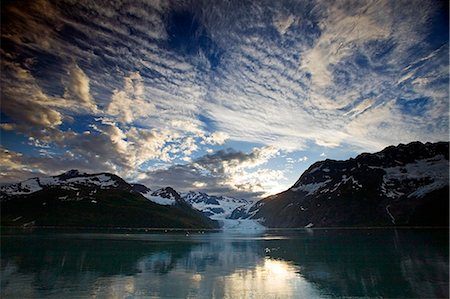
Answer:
x=140 y=188
x=70 y=174
x=69 y=180
x=167 y=192
x=400 y=185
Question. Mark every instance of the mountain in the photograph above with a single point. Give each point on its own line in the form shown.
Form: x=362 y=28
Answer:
x=93 y=200
x=406 y=185
x=140 y=188
x=232 y=214
x=218 y=207
x=165 y=196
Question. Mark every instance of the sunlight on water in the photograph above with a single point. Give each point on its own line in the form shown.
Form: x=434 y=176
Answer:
x=270 y=279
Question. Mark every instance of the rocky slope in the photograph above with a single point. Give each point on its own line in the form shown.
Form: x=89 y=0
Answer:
x=93 y=200
x=403 y=185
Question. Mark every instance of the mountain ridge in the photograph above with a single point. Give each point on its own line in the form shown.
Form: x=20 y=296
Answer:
x=216 y=207
x=91 y=200
x=400 y=185
x=397 y=186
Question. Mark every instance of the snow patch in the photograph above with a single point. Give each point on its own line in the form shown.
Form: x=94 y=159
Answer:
x=49 y=181
x=102 y=180
x=345 y=179
x=161 y=200
x=354 y=181
x=433 y=170
x=315 y=169
x=423 y=190
x=158 y=199
x=310 y=188
x=26 y=187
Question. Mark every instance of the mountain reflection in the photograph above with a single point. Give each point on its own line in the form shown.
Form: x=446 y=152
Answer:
x=296 y=264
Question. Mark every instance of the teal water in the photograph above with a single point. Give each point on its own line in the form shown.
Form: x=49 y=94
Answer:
x=375 y=263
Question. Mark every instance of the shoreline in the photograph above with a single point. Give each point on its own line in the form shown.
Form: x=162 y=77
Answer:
x=200 y=230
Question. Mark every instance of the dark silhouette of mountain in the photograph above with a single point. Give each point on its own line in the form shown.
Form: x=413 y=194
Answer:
x=406 y=185
x=92 y=200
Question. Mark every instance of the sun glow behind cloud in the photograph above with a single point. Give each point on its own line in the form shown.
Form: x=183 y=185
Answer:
x=159 y=91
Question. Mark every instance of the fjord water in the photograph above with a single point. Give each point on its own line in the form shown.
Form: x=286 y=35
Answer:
x=402 y=263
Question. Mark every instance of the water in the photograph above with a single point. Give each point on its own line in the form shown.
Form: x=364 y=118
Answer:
x=405 y=263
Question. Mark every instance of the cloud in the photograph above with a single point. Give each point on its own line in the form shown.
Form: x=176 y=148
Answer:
x=10 y=166
x=228 y=172
x=283 y=22
x=8 y=126
x=127 y=149
x=129 y=104
x=302 y=159
x=16 y=167
x=78 y=88
x=216 y=138
x=189 y=125
x=275 y=94
x=105 y=147
x=342 y=31
x=198 y=184
x=361 y=107
x=261 y=90
x=36 y=113
x=24 y=101
x=28 y=24
x=230 y=161
x=355 y=75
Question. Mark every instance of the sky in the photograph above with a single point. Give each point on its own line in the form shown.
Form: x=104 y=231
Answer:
x=226 y=97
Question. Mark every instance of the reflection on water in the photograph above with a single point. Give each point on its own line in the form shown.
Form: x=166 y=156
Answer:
x=270 y=279
x=289 y=264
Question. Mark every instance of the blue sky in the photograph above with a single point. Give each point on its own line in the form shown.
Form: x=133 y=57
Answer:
x=227 y=97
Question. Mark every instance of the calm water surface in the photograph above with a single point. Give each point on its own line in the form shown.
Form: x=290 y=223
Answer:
x=405 y=263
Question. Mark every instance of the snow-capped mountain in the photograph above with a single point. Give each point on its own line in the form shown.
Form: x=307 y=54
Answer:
x=403 y=185
x=218 y=207
x=231 y=213
x=165 y=196
x=140 y=188
x=92 y=200
x=72 y=180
